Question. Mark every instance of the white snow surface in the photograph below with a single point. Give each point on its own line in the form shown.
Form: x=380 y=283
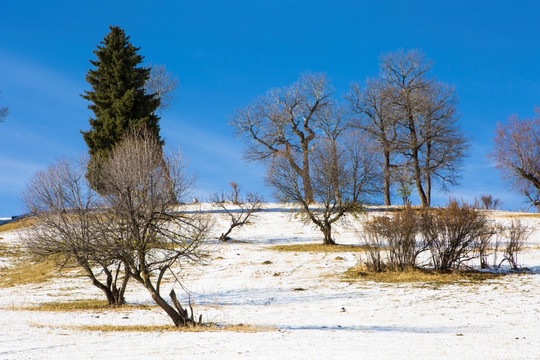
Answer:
x=304 y=309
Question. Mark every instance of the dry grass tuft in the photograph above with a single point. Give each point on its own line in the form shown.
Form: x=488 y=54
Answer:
x=516 y=215
x=170 y=328
x=28 y=273
x=82 y=305
x=23 y=223
x=418 y=276
x=320 y=248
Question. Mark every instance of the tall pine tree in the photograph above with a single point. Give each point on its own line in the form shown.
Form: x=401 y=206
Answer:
x=118 y=98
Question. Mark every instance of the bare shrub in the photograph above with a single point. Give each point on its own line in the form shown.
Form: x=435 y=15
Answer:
x=482 y=245
x=498 y=236
x=399 y=234
x=451 y=234
x=374 y=246
x=243 y=211
x=488 y=202
x=517 y=235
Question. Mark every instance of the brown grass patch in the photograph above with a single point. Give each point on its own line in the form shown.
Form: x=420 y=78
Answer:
x=82 y=305
x=170 y=328
x=320 y=248
x=418 y=276
x=7 y=251
x=518 y=216
x=28 y=273
x=23 y=223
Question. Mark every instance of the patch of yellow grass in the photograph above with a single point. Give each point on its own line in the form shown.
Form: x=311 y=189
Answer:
x=418 y=276
x=320 y=248
x=28 y=273
x=81 y=305
x=170 y=328
x=23 y=223
x=517 y=216
x=11 y=251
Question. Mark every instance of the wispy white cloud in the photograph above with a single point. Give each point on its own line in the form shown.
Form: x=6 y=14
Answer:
x=180 y=133
x=23 y=74
x=15 y=173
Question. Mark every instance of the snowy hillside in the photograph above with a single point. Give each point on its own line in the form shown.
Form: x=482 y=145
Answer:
x=297 y=303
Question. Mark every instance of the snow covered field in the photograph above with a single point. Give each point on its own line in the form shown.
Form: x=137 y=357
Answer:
x=302 y=307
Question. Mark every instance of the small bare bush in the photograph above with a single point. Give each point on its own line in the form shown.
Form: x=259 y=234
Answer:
x=374 y=245
x=243 y=210
x=487 y=202
x=452 y=232
x=498 y=236
x=517 y=235
x=483 y=244
x=399 y=234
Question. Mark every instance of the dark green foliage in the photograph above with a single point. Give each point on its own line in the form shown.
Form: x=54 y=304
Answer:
x=118 y=98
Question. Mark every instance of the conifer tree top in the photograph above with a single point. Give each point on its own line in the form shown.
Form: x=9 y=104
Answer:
x=117 y=97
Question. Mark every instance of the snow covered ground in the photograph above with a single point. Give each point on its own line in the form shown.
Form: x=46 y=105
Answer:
x=302 y=306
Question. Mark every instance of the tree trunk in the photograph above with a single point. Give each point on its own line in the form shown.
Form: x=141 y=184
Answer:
x=416 y=162
x=225 y=236
x=387 y=173
x=179 y=316
x=428 y=188
x=306 y=177
x=173 y=314
x=120 y=292
x=112 y=296
x=428 y=173
x=327 y=231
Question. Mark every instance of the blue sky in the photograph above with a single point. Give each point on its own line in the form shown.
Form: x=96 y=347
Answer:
x=226 y=53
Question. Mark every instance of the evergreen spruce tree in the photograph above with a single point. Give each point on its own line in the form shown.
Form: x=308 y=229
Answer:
x=118 y=98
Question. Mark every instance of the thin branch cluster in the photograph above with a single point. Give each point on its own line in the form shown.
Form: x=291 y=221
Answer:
x=133 y=229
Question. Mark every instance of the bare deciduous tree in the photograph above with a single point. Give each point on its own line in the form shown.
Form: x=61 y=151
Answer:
x=163 y=83
x=517 y=155
x=425 y=111
x=344 y=175
x=284 y=124
x=150 y=233
x=243 y=210
x=372 y=105
x=311 y=155
x=70 y=226
x=444 y=143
